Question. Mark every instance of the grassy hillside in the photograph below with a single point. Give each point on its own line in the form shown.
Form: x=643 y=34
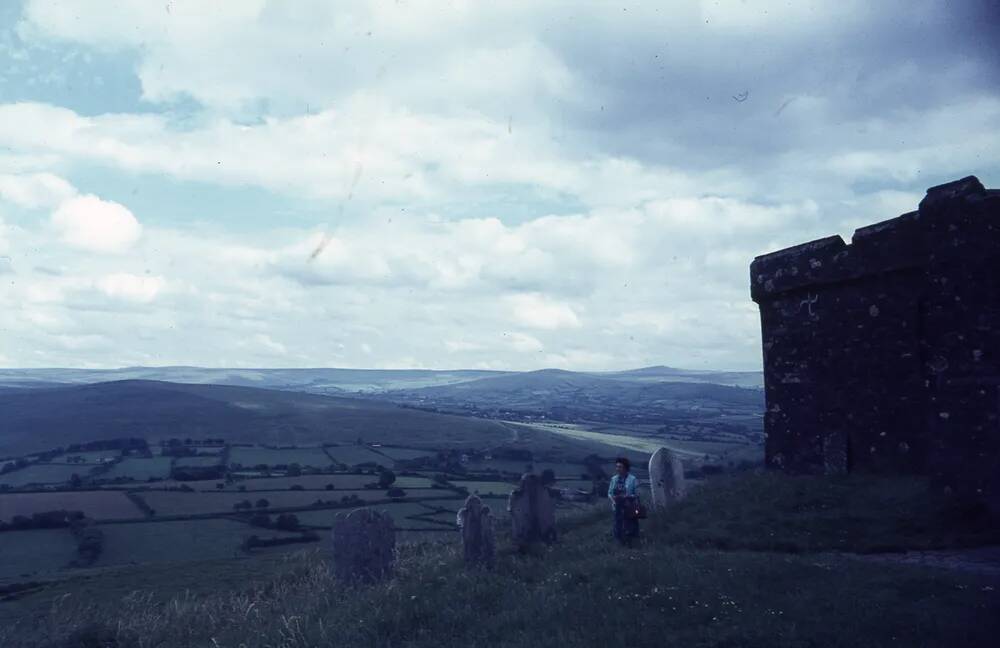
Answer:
x=583 y=591
x=39 y=419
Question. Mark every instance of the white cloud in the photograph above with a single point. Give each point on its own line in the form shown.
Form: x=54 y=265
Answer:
x=459 y=346
x=89 y=223
x=270 y=345
x=524 y=343
x=4 y=243
x=538 y=311
x=467 y=174
x=130 y=287
x=35 y=190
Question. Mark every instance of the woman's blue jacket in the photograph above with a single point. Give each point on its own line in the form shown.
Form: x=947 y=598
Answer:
x=631 y=485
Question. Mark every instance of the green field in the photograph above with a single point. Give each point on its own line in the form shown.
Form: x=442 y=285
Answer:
x=34 y=554
x=405 y=453
x=579 y=484
x=44 y=474
x=250 y=457
x=354 y=455
x=186 y=540
x=90 y=456
x=197 y=503
x=520 y=467
x=100 y=505
x=308 y=482
x=486 y=487
x=401 y=513
x=499 y=465
x=140 y=469
x=199 y=461
x=447 y=537
x=209 y=450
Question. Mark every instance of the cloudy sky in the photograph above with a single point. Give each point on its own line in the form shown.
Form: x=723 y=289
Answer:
x=510 y=185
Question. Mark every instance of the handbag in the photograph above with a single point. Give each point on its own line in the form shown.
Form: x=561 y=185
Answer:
x=634 y=509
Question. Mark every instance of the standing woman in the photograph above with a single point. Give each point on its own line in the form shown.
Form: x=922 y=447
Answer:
x=624 y=495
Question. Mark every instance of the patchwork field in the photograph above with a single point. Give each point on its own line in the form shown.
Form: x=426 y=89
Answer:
x=405 y=453
x=90 y=456
x=250 y=457
x=209 y=450
x=159 y=542
x=354 y=455
x=339 y=481
x=44 y=474
x=580 y=484
x=486 y=487
x=100 y=505
x=402 y=513
x=521 y=467
x=197 y=503
x=199 y=461
x=140 y=469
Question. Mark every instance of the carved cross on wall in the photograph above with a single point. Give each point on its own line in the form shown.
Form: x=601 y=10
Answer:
x=808 y=302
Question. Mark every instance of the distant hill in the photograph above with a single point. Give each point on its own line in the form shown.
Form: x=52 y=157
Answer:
x=544 y=380
x=672 y=374
x=323 y=381
x=38 y=419
x=334 y=381
x=548 y=384
x=570 y=396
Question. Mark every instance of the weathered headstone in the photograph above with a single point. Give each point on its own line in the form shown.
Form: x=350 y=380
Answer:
x=666 y=478
x=478 y=540
x=364 y=545
x=532 y=512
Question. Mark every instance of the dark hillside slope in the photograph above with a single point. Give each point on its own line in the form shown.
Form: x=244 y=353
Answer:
x=39 y=419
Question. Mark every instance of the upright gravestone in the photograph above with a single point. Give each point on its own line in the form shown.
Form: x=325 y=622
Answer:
x=532 y=512
x=478 y=540
x=666 y=478
x=364 y=545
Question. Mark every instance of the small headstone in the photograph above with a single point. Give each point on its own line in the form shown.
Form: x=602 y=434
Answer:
x=478 y=540
x=666 y=478
x=364 y=545
x=532 y=512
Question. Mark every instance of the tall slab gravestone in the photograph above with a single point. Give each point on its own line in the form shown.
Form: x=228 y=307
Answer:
x=532 y=512
x=666 y=478
x=364 y=545
x=478 y=537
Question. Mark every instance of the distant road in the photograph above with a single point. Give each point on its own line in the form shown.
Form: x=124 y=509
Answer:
x=639 y=444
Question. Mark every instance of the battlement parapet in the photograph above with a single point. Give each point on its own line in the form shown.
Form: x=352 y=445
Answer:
x=957 y=218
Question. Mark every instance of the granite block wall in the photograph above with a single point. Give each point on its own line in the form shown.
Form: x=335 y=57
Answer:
x=883 y=355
